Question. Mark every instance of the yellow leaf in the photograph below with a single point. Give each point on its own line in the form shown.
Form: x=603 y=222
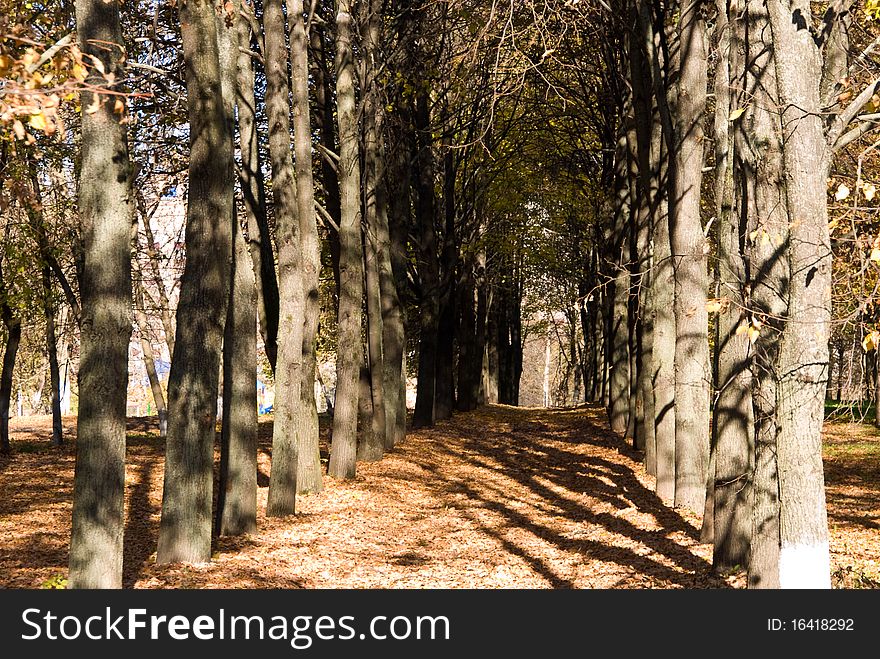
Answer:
x=38 y=121
x=18 y=129
x=875 y=255
x=119 y=106
x=79 y=72
x=736 y=114
x=5 y=64
x=869 y=343
x=842 y=192
x=869 y=190
x=713 y=306
x=743 y=328
x=754 y=332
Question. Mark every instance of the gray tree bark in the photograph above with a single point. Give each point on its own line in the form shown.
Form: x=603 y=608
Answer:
x=289 y=369
x=343 y=451
x=309 y=460
x=237 y=488
x=689 y=254
x=185 y=527
x=106 y=211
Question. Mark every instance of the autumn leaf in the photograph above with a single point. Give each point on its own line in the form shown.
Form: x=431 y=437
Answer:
x=736 y=114
x=875 y=255
x=18 y=129
x=38 y=121
x=842 y=192
x=869 y=190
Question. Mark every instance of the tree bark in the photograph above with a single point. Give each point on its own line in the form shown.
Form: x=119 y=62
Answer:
x=733 y=422
x=13 y=339
x=309 y=460
x=289 y=370
x=343 y=451
x=106 y=210
x=428 y=268
x=618 y=349
x=689 y=254
x=259 y=237
x=143 y=325
x=804 y=560
x=185 y=527
x=237 y=488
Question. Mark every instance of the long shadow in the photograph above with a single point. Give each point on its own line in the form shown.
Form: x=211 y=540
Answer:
x=141 y=532
x=530 y=455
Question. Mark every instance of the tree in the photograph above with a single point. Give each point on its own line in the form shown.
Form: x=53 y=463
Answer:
x=289 y=368
x=349 y=345
x=185 y=528
x=106 y=211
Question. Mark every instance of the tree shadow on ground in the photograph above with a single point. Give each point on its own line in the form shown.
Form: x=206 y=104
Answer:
x=533 y=453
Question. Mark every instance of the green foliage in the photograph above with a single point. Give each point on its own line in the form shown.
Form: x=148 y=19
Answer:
x=55 y=582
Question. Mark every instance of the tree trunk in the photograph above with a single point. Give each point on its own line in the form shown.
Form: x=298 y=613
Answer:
x=393 y=275
x=689 y=252
x=237 y=488
x=618 y=388
x=13 y=339
x=371 y=447
x=732 y=423
x=150 y=361
x=309 y=460
x=185 y=528
x=254 y=193
x=760 y=188
x=343 y=451
x=237 y=495
x=106 y=210
x=428 y=269
x=52 y=352
x=804 y=560
x=289 y=370
x=444 y=394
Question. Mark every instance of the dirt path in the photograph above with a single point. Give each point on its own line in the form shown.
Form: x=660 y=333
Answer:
x=501 y=497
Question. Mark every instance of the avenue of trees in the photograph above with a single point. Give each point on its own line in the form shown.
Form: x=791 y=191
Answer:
x=399 y=187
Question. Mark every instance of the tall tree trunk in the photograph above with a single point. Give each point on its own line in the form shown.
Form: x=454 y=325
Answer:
x=289 y=369
x=689 y=253
x=394 y=289
x=106 y=210
x=52 y=352
x=760 y=189
x=143 y=325
x=13 y=339
x=372 y=444
x=381 y=291
x=185 y=527
x=237 y=495
x=804 y=560
x=732 y=423
x=647 y=155
x=237 y=487
x=428 y=268
x=618 y=336
x=309 y=460
x=444 y=394
x=254 y=192
x=343 y=451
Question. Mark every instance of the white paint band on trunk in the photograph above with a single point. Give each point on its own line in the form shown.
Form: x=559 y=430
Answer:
x=805 y=566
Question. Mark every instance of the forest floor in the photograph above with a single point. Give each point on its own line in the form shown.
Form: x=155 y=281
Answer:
x=501 y=497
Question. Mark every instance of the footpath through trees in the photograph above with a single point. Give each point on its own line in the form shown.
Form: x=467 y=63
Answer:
x=500 y=497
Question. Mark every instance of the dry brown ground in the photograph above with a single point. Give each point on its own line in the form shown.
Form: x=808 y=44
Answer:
x=501 y=497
